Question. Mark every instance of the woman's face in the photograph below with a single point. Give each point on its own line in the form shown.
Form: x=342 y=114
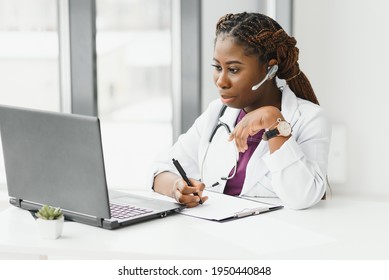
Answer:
x=236 y=73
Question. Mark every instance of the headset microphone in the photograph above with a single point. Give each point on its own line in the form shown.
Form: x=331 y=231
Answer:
x=270 y=75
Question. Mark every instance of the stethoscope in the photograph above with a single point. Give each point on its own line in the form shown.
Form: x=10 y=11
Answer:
x=225 y=126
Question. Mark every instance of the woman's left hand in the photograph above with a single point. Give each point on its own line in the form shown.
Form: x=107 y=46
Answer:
x=252 y=123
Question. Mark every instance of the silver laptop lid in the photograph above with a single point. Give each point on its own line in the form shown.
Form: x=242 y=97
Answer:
x=54 y=158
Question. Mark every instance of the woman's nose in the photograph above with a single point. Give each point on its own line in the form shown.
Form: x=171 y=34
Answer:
x=222 y=80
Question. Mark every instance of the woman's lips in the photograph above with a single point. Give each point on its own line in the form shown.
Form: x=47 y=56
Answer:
x=227 y=99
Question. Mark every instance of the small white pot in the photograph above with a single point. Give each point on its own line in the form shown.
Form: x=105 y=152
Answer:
x=50 y=229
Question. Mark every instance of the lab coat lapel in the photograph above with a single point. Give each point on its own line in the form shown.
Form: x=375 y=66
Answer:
x=289 y=106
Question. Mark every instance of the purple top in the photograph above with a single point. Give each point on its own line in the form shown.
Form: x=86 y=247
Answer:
x=235 y=184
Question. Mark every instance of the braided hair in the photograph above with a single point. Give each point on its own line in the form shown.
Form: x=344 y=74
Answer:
x=261 y=35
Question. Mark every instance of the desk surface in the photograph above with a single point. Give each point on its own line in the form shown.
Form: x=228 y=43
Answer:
x=340 y=228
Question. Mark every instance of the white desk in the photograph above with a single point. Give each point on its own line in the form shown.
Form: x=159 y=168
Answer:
x=339 y=228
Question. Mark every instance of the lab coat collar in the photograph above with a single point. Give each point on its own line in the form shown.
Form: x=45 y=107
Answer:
x=289 y=105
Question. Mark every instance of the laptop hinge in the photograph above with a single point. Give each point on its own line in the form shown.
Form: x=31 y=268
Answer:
x=15 y=201
x=99 y=222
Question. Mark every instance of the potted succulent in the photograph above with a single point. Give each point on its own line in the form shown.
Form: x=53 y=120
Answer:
x=50 y=222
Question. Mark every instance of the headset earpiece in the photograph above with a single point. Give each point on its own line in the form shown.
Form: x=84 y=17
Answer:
x=272 y=70
x=271 y=73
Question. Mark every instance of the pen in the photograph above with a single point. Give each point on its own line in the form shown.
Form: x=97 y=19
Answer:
x=183 y=175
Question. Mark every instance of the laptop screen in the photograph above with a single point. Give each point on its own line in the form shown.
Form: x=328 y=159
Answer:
x=54 y=158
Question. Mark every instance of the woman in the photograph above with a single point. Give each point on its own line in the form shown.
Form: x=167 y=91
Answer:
x=281 y=135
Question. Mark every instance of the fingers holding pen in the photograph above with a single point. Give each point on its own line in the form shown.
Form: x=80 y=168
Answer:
x=194 y=193
x=189 y=200
x=199 y=186
x=189 y=195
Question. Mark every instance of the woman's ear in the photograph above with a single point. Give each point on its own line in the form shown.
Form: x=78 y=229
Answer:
x=272 y=62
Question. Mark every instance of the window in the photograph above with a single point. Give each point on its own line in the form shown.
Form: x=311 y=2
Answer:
x=134 y=86
x=134 y=74
x=28 y=56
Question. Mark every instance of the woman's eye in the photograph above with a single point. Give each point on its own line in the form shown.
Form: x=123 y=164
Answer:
x=217 y=67
x=233 y=70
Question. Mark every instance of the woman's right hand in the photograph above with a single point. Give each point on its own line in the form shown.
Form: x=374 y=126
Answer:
x=185 y=194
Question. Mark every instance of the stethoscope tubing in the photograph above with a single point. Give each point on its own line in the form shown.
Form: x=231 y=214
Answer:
x=218 y=125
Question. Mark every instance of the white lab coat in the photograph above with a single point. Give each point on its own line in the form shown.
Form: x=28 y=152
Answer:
x=296 y=173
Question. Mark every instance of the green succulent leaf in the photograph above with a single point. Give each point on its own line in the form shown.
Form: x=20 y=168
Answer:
x=47 y=212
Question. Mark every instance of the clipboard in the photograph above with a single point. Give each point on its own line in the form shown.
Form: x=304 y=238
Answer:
x=221 y=207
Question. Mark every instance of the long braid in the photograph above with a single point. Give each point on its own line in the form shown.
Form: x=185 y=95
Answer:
x=262 y=36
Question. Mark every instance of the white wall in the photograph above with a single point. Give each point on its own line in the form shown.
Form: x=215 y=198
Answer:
x=344 y=50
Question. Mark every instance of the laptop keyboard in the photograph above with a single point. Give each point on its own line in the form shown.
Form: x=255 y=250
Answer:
x=127 y=211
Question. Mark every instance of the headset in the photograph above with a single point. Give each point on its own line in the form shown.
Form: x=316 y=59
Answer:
x=272 y=70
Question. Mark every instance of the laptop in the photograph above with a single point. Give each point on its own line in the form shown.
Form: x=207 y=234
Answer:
x=57 y=159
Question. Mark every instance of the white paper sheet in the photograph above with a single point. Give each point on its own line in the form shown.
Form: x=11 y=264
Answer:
x=220 y=206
